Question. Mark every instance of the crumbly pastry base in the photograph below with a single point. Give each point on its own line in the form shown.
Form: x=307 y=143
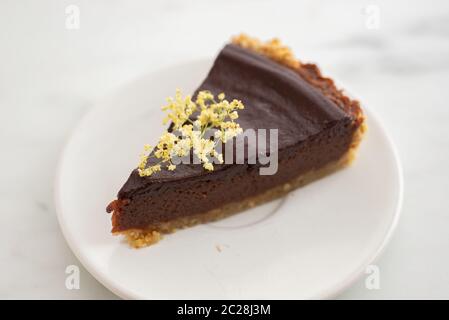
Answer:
x=152 y=234
x=273 y=49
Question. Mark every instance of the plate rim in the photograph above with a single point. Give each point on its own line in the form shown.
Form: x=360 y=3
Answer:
x=124 y=293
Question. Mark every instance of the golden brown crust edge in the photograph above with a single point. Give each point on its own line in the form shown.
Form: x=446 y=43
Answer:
x=273 y=49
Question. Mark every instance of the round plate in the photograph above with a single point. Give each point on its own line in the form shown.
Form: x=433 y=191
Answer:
x=311 y=244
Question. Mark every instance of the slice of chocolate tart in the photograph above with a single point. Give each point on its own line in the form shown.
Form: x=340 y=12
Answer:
x=318 y=131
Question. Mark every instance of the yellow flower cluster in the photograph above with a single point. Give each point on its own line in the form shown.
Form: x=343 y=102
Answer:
x=210 y=114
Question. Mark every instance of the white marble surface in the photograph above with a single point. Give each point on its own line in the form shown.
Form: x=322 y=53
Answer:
x=50 y=76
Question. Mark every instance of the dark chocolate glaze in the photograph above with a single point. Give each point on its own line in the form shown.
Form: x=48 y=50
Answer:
x=313 y=131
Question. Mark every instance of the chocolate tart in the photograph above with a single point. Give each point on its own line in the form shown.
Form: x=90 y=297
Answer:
x=319 y=129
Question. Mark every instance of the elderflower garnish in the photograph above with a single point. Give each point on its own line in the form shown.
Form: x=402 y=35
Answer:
x=210 y=113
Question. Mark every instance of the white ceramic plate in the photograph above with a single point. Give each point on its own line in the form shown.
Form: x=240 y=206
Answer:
x=311 y=244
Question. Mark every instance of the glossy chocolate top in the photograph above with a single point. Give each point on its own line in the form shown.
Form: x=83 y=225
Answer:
x=275 y=97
